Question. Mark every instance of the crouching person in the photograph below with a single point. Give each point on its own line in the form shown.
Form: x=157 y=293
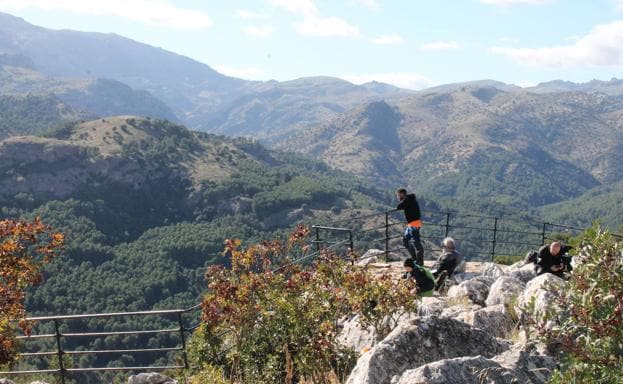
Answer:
x=424 y=279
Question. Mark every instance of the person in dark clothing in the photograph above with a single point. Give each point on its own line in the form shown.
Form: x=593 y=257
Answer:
x=552 y=259
x=411 y=239
x=448 y=261
x=424 y=279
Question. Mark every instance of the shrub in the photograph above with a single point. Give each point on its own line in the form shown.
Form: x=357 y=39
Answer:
x=281 y=324
x=588 y=320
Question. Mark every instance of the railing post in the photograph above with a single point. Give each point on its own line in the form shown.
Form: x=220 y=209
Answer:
x=182 y=335
x=59 y=349
x=350 y=241
x=447 y=232
x=317 y=238
x=543 y=234
x=386 y=236
x=495 y=237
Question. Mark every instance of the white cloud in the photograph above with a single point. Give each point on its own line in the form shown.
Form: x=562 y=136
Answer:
x=161 y=13
x=405 y=80
x=243 y=73
x=440 y=45
x=313 y=23
x=602 y=46
x=260 y=31
x=506 y=3
x=244 y=14
x=392 y=39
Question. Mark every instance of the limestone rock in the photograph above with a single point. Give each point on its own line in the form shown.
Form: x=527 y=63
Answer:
x=357 y=338
x=492 y=270
x=541 y=291
x=464 y=370
x=522 y=272
x=495 y=320
x=431 y=305
x=476 y=290
x=150 y=378
x=505 y=290
x=419 y=342
x=527 y=364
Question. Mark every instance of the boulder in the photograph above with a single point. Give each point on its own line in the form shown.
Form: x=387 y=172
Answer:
x=505 y=290
x=492 y=270
x=508 y=368
x=150 y=378
x=495 y=320
x=458 y=311
x=357 y=338
x=540 y=294
x=464 y=370
x=376 y=255
x=527 y=364
x=6 y=381
x=432 y=305
x=475 y=290
x=521 y=271
x=419 y=342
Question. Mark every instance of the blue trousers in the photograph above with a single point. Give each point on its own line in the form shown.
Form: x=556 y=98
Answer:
x=411 y=241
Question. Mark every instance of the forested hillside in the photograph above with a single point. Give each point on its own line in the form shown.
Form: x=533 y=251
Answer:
x=146 y=203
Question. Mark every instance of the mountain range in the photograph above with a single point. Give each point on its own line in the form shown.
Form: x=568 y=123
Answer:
x=481 y=142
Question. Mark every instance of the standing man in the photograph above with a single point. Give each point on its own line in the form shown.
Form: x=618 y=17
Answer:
x=411 y=240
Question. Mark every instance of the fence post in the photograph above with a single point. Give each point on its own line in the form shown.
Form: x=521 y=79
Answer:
x=386 y=236
x=447 y=232
x=350 y=241
x=543 y=234
x=59 y=349
x=495 y=237
x=182 y=331
x=317 y=239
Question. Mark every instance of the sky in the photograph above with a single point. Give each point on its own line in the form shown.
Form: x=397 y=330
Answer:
x=409 y=43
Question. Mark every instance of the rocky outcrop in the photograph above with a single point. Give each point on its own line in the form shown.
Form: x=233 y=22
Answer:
x=475 y=290
x=420 y=342
x=521 y=271
x=150 y=378
x=505 y=290
x=509 y=368
x=539 y=294
x=460 y=338
x=495 y=320
x=355 y=337
x=6 y=381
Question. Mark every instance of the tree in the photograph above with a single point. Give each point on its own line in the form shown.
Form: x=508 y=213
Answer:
x=24 y=248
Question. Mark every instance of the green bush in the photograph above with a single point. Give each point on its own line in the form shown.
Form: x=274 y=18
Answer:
x=588 y=315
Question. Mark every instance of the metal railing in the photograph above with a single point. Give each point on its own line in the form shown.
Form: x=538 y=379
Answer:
x=57 y=351
x=60 y=336
x=479 y=237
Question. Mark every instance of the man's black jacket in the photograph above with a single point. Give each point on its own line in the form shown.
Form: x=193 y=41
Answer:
x=411 y=207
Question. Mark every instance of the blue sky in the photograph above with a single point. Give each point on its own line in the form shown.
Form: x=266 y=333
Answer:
x=410 y=43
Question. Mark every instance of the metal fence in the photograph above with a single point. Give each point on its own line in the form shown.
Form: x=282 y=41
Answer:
x=478 y=237
x=62 y=332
